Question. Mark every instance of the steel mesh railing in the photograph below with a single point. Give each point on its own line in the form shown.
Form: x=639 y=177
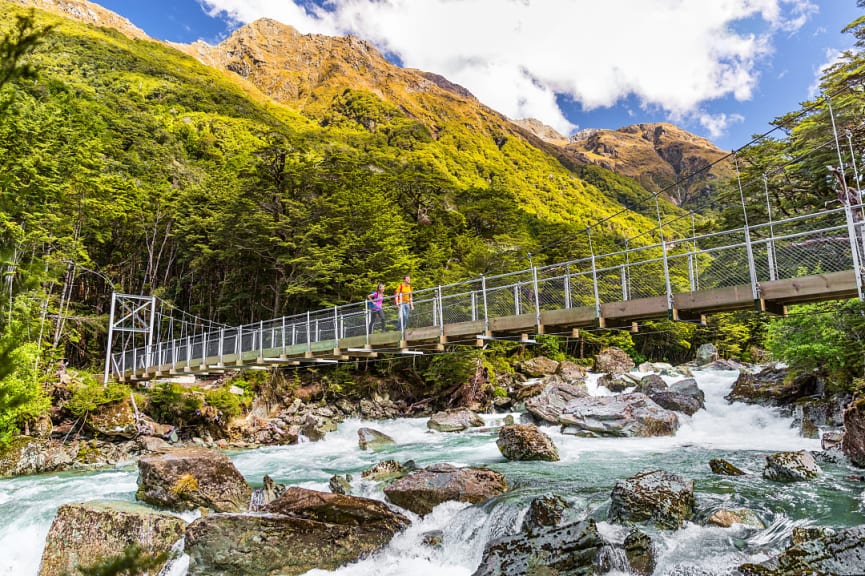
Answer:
x=804 y=245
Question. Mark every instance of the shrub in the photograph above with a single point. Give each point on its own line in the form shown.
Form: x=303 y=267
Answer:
x=88 y=394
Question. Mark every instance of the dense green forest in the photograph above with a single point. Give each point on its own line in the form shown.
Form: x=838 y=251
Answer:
x=126 y=165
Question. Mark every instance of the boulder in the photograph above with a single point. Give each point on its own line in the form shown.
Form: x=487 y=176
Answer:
x=189 y=478
x=316 y=427
x=455 y=420
x=802 y=534
x=640 y=552
x=613 y=360
x=372 y=439
x=772 y=386
x=268 y=492
x=298 y=532
x=543 y=512
x=84 y=534
x=373 y=516
x=615 y=384
x=423 y=490
x=571 y=549
x=388 y=470
x=28 y=455
x=676 y=401
x=689 y=387
x=724 y=468
x=571 y=372
x=115 y=420
x=538 y=366
x=651 y=384
x=631 y=414
x=665 y=499
x=726 y=518
x=791 y=467
x=832 y=441
x=340 y=484
x=853 y=443
x=841 y=553
x=549 y=404
x=526 y=442
x=706 y=354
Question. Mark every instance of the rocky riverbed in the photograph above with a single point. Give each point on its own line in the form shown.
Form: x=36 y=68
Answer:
x=592 y=478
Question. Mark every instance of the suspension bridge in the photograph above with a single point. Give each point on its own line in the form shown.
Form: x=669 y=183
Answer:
x=763 y=267
x=682 y=277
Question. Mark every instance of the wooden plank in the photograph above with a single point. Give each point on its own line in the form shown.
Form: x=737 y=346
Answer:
x=459 y=329
x=569 y=317
x=818 y=287
x=513 y=324
x=714 y=300
x=618 y=312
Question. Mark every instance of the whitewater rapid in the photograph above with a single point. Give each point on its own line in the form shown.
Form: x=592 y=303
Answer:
x=585 y=475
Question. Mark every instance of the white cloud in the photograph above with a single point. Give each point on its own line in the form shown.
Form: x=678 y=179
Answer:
x=832 y=57
x=517 y=56
x=716 y=124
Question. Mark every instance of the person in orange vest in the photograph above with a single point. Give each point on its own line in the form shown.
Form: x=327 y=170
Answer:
x=404 y=302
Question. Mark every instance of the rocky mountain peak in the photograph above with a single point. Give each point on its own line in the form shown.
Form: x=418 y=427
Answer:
x=87 y=12
x=542 y=131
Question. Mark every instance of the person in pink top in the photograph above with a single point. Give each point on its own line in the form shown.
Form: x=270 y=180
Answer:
x=375 y=301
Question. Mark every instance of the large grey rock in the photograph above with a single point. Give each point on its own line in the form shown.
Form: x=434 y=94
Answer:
x=840 y=554
x=548 y=406
x=772 y=386
x=665 y=499
x=28 y=455
x=566 y=550
x=689 y=387
x=706 y=354
x=613 y=360
x=538 y=366
x=388 y=470
x=724 y=468
x=372 y=439
x=676 y=401
x=791 y=466
x=82 y=535
x=423 y=490
x=526 y=442
x=300 y=531
x=571 y=372
x=631 y=414
x=316 y=427
x=853 y=442
x=455 y=420
x=615 y=384
x=189 y=478
x=543 y=512
x=651 y=383
x=640 y=552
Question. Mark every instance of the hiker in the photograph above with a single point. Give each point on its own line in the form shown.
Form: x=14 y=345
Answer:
x=375 y=300
x=404 y=302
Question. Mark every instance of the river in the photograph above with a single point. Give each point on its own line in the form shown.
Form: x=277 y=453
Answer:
x=588 y=469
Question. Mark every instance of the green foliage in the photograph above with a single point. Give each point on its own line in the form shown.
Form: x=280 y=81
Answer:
x=88 y=394
x=21 y=394
x=828 y=338
x=172 y=403
x=454 y=369
x=227 y=402
x=134 y=561
x=549 y=346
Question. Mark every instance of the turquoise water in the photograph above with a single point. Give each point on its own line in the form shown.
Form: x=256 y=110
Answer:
x=588 y=469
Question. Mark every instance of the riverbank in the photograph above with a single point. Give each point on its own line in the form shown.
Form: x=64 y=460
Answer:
x=588 y=469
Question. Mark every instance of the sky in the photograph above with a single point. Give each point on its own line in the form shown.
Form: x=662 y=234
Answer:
x=722 y=69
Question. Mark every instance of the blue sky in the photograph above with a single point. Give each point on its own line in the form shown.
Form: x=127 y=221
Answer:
x=719 y=69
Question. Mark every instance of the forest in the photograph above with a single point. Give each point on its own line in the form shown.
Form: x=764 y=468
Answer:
x=128 y=166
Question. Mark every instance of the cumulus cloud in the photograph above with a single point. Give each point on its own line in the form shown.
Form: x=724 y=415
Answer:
x=520 y=56
x=832 y=56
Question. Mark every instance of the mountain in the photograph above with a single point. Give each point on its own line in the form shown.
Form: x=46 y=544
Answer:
x=87 y=12
x=658 y=156
x=291 y=172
